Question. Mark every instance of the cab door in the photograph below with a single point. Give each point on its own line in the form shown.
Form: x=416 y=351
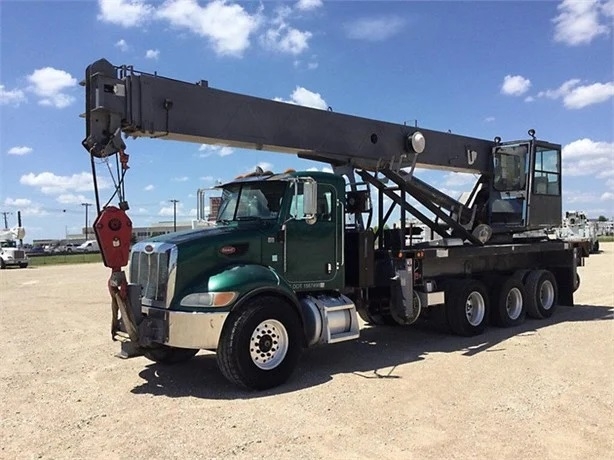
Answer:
x=545 y=202
x=312 y=248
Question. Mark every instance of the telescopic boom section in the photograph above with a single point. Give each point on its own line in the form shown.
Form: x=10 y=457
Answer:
x=120 y=100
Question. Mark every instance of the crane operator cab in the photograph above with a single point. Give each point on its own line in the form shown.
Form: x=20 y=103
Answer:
x=526 y=185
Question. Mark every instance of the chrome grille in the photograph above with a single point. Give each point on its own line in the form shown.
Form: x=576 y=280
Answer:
x=19 y=254
x=151 y=271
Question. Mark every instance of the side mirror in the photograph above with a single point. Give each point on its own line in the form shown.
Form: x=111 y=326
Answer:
x=310 y=200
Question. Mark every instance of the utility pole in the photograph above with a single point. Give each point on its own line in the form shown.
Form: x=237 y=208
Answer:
x=19 y=226
x=174 y=214
x=5 y=214
x=87 y=205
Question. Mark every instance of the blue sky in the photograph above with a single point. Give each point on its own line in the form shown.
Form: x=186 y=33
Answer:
x=476 y=68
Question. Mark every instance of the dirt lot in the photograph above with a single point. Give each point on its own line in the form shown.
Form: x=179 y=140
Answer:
x=542 y=390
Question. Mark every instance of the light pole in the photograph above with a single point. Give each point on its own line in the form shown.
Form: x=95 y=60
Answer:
x=87 y=205
x=174 y=214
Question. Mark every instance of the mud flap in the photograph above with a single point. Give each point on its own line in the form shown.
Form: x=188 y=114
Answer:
x=402 y=306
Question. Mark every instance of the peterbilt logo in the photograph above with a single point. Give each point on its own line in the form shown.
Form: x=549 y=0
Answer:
x=148 y=249
x=228 y=250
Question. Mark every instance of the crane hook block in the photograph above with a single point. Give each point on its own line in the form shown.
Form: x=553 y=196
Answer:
x=113 y=230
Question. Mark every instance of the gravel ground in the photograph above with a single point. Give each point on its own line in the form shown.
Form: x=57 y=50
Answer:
x=541 y=390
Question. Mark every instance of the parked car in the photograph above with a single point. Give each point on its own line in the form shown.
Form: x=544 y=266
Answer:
x=88 y=246
x=64 y=248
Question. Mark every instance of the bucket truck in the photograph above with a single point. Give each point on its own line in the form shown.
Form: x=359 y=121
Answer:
x=10 y=253
x=293 y=261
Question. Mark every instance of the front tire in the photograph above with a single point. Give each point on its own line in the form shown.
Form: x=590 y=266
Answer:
x=164 y=354
x=23 y=265
x=260 y=344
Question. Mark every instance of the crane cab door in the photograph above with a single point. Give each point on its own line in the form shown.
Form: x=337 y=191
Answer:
x=526 y=186
x=545 y=202
x=312 y=247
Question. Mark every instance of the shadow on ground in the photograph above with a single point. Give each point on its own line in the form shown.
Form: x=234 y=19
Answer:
x=373 y=356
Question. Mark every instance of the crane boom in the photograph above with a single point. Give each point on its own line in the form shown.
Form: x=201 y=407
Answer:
x=121 y=100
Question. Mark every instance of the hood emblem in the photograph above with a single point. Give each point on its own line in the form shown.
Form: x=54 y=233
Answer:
x=228 y=250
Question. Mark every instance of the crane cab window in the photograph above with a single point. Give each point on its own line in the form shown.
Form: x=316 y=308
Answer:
x=547 y=173
x=510 y=168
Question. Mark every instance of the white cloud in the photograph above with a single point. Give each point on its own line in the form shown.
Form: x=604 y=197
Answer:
x=583 y=96
x=152 y=54
x=11 y=96
x=308 y=5
x=17 y=202
x=181 y=179
x=326 y=169
x=227 y=27
x=49 y=85
x=19 y=150
x=26 y=206
x=561 y=91
x=221 y=150
x=489 y=119
x=52 y=184
x=575 y=197
x=578 y=97
x=169 y=209
x=304 y=97
x=312 y=65
x=585 y=157
x=374 y=29
x=148 y=188
x=607 y=196
x=282 y=37
x=286 y=40
x=126 y=13
x=69 y=198
x=515 y=85
x=122 y=45
x=581 y=21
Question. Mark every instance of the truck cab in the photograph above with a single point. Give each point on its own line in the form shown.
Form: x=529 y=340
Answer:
x=277 y=237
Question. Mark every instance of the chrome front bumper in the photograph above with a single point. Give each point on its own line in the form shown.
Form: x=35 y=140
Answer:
x=183 y=329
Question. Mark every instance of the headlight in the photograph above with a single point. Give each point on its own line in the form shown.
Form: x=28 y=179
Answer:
x=209 y=299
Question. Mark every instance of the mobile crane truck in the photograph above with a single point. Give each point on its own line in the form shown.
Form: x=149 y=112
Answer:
x=293 y=260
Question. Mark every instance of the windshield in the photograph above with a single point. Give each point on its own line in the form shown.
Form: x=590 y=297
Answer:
x=258 y=200
x=8 y=244
x=510 y=167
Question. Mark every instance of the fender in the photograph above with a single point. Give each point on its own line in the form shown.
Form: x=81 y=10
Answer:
x=249 y=280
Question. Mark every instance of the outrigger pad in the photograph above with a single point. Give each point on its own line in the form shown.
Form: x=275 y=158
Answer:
x=129 y=350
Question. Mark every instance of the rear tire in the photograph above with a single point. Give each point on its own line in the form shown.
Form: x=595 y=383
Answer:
x=260 y=344
x=164 y=354
x=542 y=294
x=508 y=302
x=467 y=307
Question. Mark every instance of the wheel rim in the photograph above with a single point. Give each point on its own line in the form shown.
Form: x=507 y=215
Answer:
x=268 y=344
x=513 y=303
x=546 y=295
x=475 y=307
